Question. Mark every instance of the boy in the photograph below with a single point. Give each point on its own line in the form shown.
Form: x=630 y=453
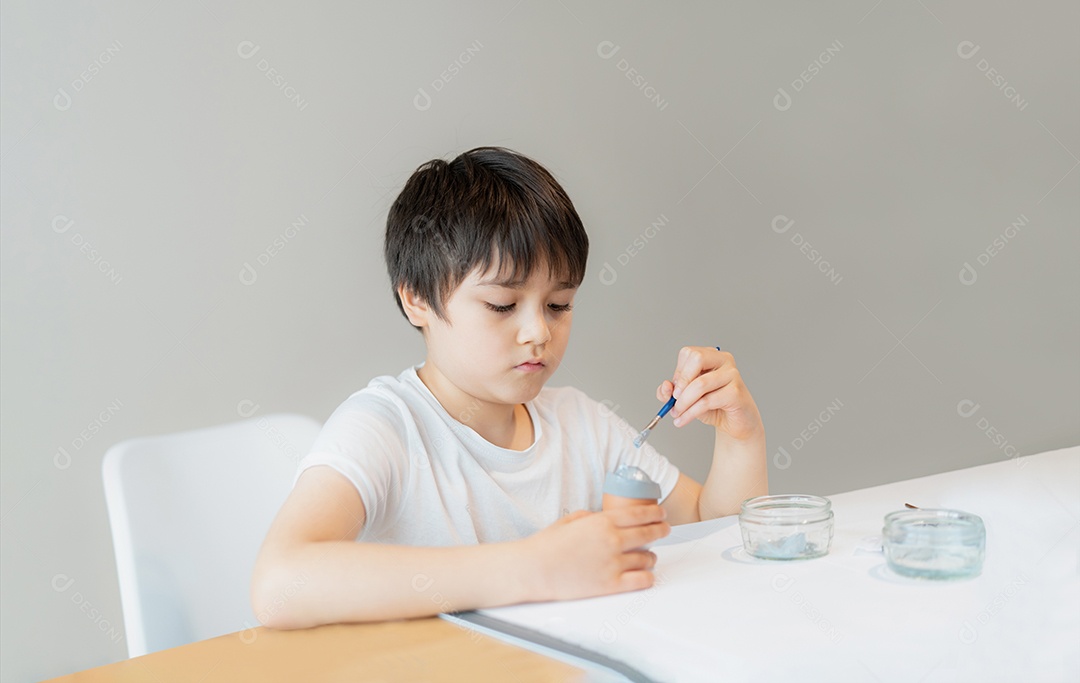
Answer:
x=451 y=486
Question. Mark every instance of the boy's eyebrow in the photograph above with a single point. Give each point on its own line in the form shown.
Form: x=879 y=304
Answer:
x=519 y=284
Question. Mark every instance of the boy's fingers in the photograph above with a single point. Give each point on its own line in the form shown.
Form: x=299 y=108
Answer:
x=695 y=361
x=703 y=386
x=638 y=559
x=577 y=514
x=687 y=368
x=636 y=515
x=637 y=536
x=717 y=398
x=635 y=580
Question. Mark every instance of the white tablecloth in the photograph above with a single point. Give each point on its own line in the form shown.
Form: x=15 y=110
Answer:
x=716 y=614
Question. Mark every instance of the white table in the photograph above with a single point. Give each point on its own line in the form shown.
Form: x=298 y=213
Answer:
x=717 y=614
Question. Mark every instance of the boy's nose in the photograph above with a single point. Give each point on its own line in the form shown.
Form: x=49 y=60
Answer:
x=535 y=330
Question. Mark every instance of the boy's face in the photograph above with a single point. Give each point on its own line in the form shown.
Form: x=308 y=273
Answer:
x=496 y=329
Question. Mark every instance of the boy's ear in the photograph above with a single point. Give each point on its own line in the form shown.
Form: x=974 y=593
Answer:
x=416 y=309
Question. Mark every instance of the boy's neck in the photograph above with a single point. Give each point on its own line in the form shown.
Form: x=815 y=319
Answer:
x=506 y=426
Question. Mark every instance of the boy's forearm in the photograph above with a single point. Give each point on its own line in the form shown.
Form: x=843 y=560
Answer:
x=739 y=471
x=346 y=581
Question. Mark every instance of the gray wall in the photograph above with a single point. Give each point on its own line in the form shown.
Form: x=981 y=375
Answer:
x=828 y=185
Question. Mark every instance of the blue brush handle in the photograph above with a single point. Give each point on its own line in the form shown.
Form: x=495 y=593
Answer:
x=667 y=407
x=671 y=402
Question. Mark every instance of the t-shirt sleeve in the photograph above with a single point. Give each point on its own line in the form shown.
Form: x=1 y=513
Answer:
x=364 y=441
x=617 y=444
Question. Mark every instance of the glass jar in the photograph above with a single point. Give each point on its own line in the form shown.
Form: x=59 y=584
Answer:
x=786 y=527
x=934 y=544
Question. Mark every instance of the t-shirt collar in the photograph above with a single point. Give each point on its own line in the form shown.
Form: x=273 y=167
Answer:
x=467 y=432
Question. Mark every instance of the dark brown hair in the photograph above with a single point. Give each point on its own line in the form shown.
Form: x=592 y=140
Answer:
x=489 y=206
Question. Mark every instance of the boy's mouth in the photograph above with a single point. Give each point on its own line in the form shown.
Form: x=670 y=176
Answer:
x=531 y=365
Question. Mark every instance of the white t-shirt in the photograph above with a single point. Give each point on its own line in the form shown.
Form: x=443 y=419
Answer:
x=427 y=479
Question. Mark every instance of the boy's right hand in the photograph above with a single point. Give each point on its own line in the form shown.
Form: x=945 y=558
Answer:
x=585 y=554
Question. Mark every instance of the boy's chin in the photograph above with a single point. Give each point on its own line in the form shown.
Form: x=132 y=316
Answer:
x=523 y=394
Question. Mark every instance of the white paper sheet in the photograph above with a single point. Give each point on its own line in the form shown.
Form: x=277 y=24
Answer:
x=716 y=613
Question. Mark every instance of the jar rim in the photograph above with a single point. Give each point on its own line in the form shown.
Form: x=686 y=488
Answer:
x=787 y=508
x=934 y=522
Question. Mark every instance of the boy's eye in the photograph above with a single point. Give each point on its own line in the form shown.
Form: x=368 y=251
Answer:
x=558 y=308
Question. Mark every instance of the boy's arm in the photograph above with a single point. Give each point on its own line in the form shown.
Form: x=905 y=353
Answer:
x=310 y=571
x=709 y=387
x=738 y=472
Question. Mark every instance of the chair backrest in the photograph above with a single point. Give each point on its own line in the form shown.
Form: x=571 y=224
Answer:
x=188 y=513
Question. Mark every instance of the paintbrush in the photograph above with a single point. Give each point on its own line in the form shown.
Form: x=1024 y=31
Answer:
x=640 y=439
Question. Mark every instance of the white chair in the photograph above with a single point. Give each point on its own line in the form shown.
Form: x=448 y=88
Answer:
x=188 y=513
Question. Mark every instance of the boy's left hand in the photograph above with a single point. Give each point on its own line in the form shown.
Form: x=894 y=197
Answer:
x=707 y=386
